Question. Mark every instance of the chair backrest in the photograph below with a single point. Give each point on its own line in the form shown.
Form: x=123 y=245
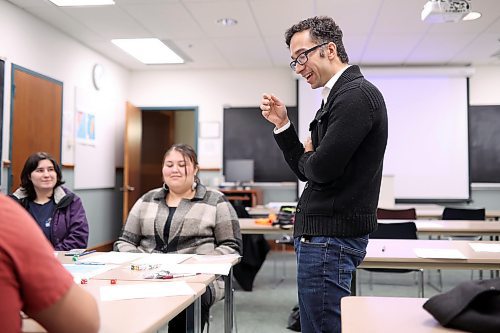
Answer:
x=463 y=214
x=397 y=214
x=401 y=230
x=241 y=211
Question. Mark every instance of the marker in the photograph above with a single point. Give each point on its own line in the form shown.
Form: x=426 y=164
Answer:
x=383 y=248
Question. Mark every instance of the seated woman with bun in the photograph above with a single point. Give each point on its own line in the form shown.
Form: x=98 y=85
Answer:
x=183 y=216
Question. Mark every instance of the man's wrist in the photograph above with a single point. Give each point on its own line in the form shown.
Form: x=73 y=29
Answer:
x=283 y=123
x=284 y=127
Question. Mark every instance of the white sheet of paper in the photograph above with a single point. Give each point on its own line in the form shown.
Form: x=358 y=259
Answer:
x=217 y=268
x=144 y=290
x=481 y=247
x=427 y=224
x=80 y=272
x=439 y=253
x=162 y=259
x=216 y=258
x=114 y=257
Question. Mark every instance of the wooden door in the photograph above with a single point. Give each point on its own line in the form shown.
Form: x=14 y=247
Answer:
x=36 y=119
x=132 y=158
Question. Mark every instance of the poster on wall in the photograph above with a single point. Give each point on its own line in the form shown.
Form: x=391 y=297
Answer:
x=85 y=123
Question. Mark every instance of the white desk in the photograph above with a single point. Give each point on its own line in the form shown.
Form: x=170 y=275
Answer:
x=397 y=253
x=424 y=227
x=388 y=314
x=146 y=315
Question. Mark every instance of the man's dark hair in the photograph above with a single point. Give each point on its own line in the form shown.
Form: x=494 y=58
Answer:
x=322 y=29
x=30 y=165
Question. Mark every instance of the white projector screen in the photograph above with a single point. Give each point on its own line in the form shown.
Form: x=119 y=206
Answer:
x=428 y=148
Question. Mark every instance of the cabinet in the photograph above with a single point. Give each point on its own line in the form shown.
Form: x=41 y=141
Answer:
x=246 y=198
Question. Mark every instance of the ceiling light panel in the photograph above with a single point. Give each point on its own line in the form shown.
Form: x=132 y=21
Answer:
x=150 y=51
x=74 y=3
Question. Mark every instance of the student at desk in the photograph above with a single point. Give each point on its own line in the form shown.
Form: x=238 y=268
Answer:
x=183 y=216
x=33 y=281
x=57 y=210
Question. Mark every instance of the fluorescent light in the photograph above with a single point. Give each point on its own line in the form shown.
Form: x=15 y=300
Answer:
x=69 y=3
x=148 y=51
x=471 y=16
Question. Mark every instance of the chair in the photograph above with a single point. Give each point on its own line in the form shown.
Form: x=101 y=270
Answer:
x=464 y=214
x=450 y=213
x=396 y=214
x=400 y=230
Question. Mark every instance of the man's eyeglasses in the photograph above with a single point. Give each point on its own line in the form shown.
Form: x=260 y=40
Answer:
x=302 y=58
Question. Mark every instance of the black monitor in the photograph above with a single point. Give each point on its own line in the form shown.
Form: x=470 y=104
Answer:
x=239 y=171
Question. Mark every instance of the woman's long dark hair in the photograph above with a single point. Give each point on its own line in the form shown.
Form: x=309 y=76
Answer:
x=30 y=165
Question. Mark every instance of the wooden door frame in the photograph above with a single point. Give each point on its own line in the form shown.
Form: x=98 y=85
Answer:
x=179 y=108
x=15 y=68
x=194 y=109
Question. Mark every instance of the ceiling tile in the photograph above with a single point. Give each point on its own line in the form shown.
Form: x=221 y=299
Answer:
x=170 y=20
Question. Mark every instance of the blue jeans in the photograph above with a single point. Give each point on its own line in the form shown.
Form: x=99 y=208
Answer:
x=324 y=272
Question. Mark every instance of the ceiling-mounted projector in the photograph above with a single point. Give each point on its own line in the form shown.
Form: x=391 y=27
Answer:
x=441 y=11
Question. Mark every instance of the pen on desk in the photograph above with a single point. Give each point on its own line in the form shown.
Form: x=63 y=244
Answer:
x=89 y=263
x=182 y=275
x=86 y=252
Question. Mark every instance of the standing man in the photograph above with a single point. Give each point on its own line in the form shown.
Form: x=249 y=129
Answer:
x=342 y=164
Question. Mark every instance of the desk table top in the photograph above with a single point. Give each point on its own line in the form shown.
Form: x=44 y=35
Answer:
x=400 y=253
x=388 y=314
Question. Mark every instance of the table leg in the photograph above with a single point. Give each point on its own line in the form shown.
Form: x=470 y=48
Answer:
x=228 y=302
x=193 y=317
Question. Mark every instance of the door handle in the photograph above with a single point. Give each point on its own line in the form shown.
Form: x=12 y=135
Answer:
x=128 y=187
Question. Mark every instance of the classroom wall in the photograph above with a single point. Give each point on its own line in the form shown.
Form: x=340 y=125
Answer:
x=32 y=44
x=210 y=91
x=484 y=91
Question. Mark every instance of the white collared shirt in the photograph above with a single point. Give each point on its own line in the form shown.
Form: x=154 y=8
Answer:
x=329 y=85
x=324 y=95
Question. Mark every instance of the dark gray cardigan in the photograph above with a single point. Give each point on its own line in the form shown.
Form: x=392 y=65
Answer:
x=344 y=171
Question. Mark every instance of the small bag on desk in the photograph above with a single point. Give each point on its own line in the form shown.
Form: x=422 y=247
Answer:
x=472 y=306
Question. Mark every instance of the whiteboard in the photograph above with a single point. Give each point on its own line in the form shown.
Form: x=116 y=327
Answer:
x=427 y=150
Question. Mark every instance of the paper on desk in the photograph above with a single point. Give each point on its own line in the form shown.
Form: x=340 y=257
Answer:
x=427 y=224
x=114 y=257
x=481 y=247
x=162 y=259
x=80 y=272
x=216 y=258
x=439 y=253
x=217 y=268
x=144 y=290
